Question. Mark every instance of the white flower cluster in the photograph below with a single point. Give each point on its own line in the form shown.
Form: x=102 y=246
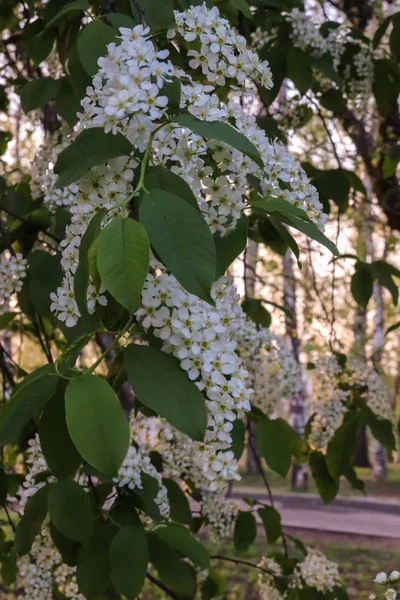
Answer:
x=130 y=475
x=265 y=581
x=387 y=581
x=43 y=179
x=43 y=568
x=358 y=74
x=273 y=373
x=316 y=571
x=220 y=513
x=223 y=53
x=106 y=186
x=377 y=394
x=203 y=338
x=12 y=272
x=327 y=401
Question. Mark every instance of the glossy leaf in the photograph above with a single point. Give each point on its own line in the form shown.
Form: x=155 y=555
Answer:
x=129 y=560
x=161 y=384
x=70 y=510
x=39 y=92
x=245 y=531
x=230 y=246
x=362 y=284
x=178 y=501
x=31 y=522
x=180 y=538
x=124 y=269
x=182 y=239
x=271 y=520
x=92 y=44
x=96 y=423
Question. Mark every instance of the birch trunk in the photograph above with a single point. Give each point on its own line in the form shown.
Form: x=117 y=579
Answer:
x=299 y=476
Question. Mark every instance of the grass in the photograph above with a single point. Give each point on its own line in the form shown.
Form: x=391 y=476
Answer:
x=389 y=489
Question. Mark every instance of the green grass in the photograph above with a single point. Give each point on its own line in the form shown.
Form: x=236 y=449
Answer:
x=389 y=489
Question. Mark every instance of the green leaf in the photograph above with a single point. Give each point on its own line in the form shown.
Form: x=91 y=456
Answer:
x=129 y=560
x=385 y=85
x=67 y=8
x=256 y=311
x=238 y=434
x=27 y=399
x=70 y=511
x=394 y=40
x=92 y=147
x=391 y=161
x=325 y=66
x=67 y=548
x=5 y=137
x=38 y=42
x=180 y=538
x=119 y=20
x=362 y=284
x=221 y=132
x=81 y=278
x=124 y=270
x=161 y=384
x=158 y=15
x=31 y=522
x=172 y=90
x=92 y=262
x=333 y=100
x=38 y=92
x=383 y=273
x=96 y=423
x=245 y=531
x=182 y=239
x=351 y=476
x=92 y=44
x=380 y=32
x=45 y=276
x=173 y=572
x=392 y=328
x=93 y=565
x=335 y=185
x=160 y=178
x=6 y=319
x=277 y=58
x=60 y=453
x=178 y=501
x=275 y=440
x=341 y=448
x=272 y=523
x=382 y=429
x=327 y=486
x=243 y=7
x=67 y=105
x=229 y=246
x=299 y=68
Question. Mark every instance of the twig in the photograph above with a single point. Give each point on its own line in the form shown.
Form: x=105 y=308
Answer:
x=46 y=338
x=28 y=222
x=139 y=12
x=42 y=344
x=162 y=587
x=9 y=519
x=237 y=561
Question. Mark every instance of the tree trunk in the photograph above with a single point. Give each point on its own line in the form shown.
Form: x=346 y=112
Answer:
x=299 y=475
x=250 y=266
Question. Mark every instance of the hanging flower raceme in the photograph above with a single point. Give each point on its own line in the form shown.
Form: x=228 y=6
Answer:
x=273 y=373
x=316 y=571
x=12 y=272
x=377 y=394
x=269 y=569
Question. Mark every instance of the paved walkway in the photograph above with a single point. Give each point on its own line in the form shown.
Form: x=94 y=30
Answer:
x=344 y=515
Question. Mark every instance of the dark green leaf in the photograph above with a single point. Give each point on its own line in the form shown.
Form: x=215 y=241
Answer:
x=272 y=523
x=93 y=566
x=38 y=92
x=67 y=548
x=341 y=448
x=362 y=284
x=383 y=273
x=92 y=44
x=5 y=137
x=299 y=68
x=70 y=511
x=256 y=311
x=391 y=161
x=178 y=501
x=334 y=184
x=182 y=239
x=392 y=328
x=119 y=20
x=221 y=132
x=81 y=278
x=73 y=6
x=45 y=276
x=92 y=147
x=60 y=453
x=31 y=522
x=382 y=429
x=161 y=384
x=244 y=8
x=180 y=538
x=6 y=319
x=245 y=531
x=129 y=560
x=160 y=178
x=351 y=476
x=327 y=486
x=158 y=15
x=325 y=66
x=229 y=247
x=380 y=32
x=27 y=400
x=67 y=104
x=174 y=572
x=333 y=100
x=96 y=423
x=238 y=438
x=124 y=270
x=275 y=439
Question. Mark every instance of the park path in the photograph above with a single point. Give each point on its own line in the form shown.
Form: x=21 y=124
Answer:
x=344 y=515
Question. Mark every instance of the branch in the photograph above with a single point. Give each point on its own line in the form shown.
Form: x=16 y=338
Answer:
x=163 y=587
x=139 y=12
x=237 y=561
